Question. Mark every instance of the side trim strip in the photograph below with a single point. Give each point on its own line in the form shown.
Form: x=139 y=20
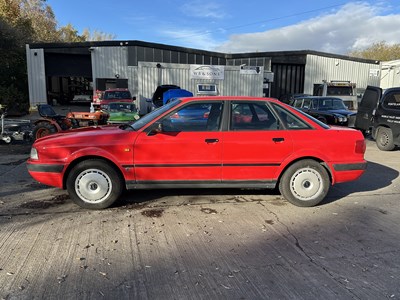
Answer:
x=200 y=165
x=45 y=168
x=172 y=184
x=350 y=167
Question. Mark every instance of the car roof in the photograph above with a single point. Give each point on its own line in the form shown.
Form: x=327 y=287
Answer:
x=224 y=98
x=320 y=97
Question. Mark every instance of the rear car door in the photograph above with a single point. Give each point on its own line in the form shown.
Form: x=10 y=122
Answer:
x=188 y=148
x=255 y=143
x=368 y=104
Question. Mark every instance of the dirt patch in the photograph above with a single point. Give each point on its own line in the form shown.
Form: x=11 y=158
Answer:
x=57 y=200
x=153 y=213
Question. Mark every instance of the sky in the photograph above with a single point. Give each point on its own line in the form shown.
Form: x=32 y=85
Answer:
x=238 y=26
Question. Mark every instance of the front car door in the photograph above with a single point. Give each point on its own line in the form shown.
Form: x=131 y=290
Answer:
x=187 y=149
x=368 y=104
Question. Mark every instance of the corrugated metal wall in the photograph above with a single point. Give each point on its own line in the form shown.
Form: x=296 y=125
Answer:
x=390 y=74
x=36 y=76
x=234 y=83
x=288 y=79
x=320 y=68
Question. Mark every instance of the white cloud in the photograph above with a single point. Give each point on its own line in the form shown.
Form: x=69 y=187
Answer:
x=190 y=38
x=203 y=9
x=354 y=26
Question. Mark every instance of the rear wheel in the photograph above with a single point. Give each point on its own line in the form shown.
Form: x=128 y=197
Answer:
x=384 y=139
x=94 y=184
x=305 y=183
x=42 y=129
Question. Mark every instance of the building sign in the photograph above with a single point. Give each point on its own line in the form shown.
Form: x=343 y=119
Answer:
x=206 y=72
x=374 y=72
x=207 y=89
x=249 y=70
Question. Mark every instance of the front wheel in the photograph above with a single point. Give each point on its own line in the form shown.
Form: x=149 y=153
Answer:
x=384 y=139
x=305 y=183
x=94 y=184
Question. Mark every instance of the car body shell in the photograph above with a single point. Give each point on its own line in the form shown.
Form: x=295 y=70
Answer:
x=221 y=158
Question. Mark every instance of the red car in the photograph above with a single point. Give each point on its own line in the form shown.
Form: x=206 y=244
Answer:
x=277 y=146
x=103 y=98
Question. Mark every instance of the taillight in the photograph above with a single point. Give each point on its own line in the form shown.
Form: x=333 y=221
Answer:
x=360 y=146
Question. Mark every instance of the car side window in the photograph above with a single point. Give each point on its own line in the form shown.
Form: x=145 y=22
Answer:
x=307 y=103
x=392 y=101
x=289 y=120
x=252 y=116
x=199 y=116
x=297 y=103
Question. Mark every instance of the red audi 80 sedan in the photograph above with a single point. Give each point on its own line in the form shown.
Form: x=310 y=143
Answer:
x=224 y=142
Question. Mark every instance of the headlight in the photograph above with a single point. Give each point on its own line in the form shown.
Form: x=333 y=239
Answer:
x=342 y=119
x=34 y=154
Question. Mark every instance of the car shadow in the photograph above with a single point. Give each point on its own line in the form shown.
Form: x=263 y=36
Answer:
x=376 y=177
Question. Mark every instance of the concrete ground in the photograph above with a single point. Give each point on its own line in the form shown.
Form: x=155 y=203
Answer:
x=201 y=244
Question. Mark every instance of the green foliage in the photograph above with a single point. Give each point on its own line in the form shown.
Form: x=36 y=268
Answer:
x=379 y=51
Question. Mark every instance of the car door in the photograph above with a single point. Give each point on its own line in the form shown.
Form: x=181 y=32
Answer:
x=186 y=148
x=255 y=143
x=368 y=104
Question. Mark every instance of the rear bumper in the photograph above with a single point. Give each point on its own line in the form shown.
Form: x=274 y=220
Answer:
x=348 y=171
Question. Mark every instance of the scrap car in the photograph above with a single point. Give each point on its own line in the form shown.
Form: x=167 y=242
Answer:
x=223 y=142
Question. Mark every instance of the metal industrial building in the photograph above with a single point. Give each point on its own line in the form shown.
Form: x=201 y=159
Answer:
x=57 y=72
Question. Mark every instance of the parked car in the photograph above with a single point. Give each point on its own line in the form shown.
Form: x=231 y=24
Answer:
x=112 y=95
x=289 y=98
x=379 y=114
x=279 y=146
x=329 y=110
x=122 y=112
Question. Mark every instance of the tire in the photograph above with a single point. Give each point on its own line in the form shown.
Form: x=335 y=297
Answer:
x=384 y=139
x=305 y=183
x=94 y=184
x=43 y=129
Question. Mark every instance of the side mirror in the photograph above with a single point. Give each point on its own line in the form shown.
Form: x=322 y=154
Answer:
x=156 y=128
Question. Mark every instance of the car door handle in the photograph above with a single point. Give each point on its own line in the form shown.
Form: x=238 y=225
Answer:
x=209 y=141
x=278 y=140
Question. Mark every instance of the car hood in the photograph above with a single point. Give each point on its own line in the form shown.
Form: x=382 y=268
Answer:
x=92 y=135
x=122 y=115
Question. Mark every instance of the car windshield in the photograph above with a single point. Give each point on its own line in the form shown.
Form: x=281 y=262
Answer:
x=121 y=107
x=153 y=115
x=116 y=95
x=328 y=104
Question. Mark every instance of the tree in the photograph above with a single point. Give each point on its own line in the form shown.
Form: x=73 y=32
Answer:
x=97 y=35
x=23 y=22
x=379 y=51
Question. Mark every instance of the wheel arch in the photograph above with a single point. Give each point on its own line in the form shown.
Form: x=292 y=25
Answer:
x=320 y=161
x=91 y=157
